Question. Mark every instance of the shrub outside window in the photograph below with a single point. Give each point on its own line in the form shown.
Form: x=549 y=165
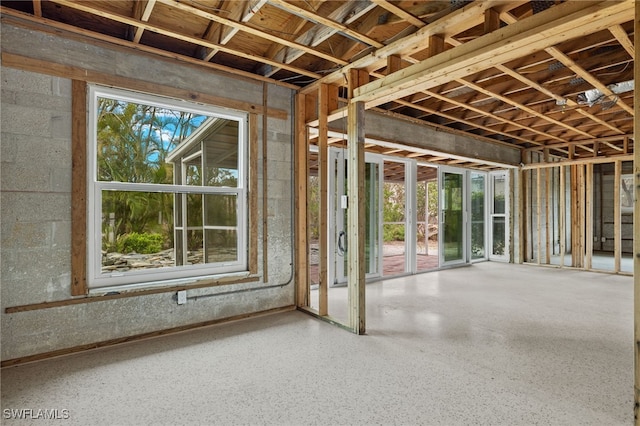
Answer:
x=167 y=190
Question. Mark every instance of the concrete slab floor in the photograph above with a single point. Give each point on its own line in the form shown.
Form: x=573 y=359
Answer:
x=490 y=344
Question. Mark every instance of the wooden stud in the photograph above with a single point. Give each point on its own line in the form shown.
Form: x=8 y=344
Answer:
x=253 y=193
x=539 y=216
x=79 y=259
x=394 y=63
x=265 y=183
x=547 y=214
x=323 y=175
x=588 y=219
x=37 y=8
x=491 y=20
x=617 y=218
x=636 y=220
x=356 y=217
x=436 y=45
x=301 y=173
x=563 y=215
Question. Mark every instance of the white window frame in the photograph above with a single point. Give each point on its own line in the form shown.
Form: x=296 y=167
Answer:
x=492 y=214
x=96 y=280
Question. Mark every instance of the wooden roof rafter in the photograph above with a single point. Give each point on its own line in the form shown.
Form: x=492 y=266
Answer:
x=197 y=41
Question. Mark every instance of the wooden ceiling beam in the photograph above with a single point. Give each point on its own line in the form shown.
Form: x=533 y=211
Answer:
x=522 y=107
x=401 y=13
x=448 y=25
x=194 y=40
x=37 y=8
x=346 y=13
x=621 y=35
x=250 y=30
x=142 y=11
x=227 y=32
x=540 y=31
x=314 y=17
x=587 y=76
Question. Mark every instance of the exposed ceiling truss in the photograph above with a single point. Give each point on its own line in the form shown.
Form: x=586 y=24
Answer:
x=515 y=72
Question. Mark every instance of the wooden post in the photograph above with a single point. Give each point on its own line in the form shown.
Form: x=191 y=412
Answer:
x=356 y=205
x=323 y=227
x=356 y=217
x=301 y=173
x=539 y=215
x=636 y=214
x=547 y=188
x=562 y=215
x=588 y=220
x=327 y=101
x=79 y=189
x=617 y=218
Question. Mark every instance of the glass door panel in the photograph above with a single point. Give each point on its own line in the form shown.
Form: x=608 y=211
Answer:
x=498 y=214
x=427 y=218
x=340 y=245
x=452 y=229
x=394 y=218
x=478 y=215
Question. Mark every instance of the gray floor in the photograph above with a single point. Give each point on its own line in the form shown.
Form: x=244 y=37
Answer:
x=490 y=344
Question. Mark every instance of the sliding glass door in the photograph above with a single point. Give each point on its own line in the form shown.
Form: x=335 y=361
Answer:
x=453 y=235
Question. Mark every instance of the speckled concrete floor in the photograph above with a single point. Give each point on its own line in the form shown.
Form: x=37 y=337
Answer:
x=491 y=344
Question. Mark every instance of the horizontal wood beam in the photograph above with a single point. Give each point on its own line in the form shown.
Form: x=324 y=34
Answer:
x=540 y=31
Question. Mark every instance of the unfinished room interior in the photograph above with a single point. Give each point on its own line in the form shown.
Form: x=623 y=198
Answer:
x=320 y=212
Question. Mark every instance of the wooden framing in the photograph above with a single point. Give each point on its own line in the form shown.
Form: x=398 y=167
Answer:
x=539 y=216
x=356 y=217
x=636 y=223
x=323 y=228
x=562 y=214
x=265 y=184
x=79 y=188
x=301 y=171
x=617 y=231
x=588 y=217
x=253 y=191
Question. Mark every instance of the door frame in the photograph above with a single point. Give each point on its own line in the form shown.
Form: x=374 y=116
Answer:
x=466 y=247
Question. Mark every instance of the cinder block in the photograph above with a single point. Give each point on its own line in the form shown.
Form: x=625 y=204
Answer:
x=21 y=120
x=26 y=235
x=19 y=177
x=26 y=82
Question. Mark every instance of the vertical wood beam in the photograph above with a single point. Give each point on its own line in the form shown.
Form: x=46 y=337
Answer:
x=356 y=205
x=394 y=63
x=265 y=183
x=580 y=219
x=253 y=193
x=301 y=174
x=617 y=218
x=539 y=215
x=636 y=215
x=436 y=45
x=37 y=8
x=356 y=217
x=323 y=167
x=491 y=20
x=547 y=213
x=563 y=215
x=588 y=222
x=79 y=188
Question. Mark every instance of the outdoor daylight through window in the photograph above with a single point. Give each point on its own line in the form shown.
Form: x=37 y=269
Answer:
x=167 y=190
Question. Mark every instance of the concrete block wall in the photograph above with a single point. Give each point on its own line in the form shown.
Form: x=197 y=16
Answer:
x=35 y=210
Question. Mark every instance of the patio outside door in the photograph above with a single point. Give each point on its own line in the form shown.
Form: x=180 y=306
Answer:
x=453 y=235
x=338 y=204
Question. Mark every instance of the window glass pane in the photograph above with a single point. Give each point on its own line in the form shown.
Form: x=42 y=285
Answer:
x=134 y=140
x=194 y=210
x=221 y=210
x=498 y=236
x=477 y=216
x=221 y=154
x=193 y=173
x=195 y=254
x=499 y=189
x=137 y=231
x=221 y=245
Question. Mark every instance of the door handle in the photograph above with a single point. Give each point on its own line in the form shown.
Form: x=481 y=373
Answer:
x=342 y=243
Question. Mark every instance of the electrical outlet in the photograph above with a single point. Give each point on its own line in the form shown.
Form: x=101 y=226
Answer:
x=182 y=297
x=604 y=239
